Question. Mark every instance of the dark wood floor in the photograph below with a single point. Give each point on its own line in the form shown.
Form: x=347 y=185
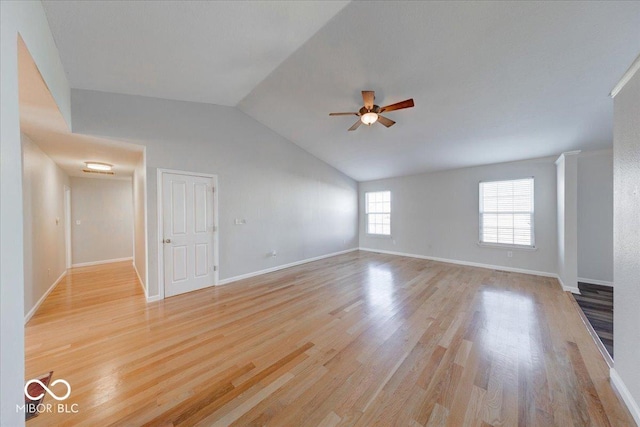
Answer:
x=596 y=302
x=359 y=339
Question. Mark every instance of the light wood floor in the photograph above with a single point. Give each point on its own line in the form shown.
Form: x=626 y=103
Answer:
x=358 y=339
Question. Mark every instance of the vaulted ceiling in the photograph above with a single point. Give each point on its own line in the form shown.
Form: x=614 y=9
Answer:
x=213 y=52
x=492 y=81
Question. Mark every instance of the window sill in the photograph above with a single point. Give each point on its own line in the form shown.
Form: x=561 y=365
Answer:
x=507 y=246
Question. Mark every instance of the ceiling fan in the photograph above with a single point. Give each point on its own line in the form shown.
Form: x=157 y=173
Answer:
x=370 y=113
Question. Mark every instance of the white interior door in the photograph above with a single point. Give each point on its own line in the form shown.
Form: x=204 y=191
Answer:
x=188 y=233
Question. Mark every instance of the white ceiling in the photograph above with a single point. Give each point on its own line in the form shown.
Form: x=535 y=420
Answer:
x=492 y=81
x=41 y=120
x=214 y=52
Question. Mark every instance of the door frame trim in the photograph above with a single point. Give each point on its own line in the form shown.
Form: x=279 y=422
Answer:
x=160 y=219
x=68 y=260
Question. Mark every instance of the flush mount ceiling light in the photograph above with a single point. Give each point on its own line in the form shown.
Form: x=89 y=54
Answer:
x=98 y=166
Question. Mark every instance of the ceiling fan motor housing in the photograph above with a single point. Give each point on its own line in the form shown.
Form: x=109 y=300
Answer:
x=364 y=110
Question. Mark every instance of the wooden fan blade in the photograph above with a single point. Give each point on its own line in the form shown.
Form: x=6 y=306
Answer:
x=356 y=125
x=398 y=105
x=368 y=96
x=343 y=114
x=385 y=121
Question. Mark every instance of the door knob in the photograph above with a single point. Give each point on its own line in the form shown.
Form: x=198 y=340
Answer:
x=166 y=241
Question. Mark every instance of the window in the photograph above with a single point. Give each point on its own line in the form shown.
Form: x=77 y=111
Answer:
x=506 y=212
x=378 y=212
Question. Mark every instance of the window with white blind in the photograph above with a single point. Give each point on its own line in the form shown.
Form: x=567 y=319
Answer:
x=378 y=212
x=506 y=213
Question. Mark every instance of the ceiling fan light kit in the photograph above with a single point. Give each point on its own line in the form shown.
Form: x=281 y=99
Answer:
x=370 y=113
x=369 y=118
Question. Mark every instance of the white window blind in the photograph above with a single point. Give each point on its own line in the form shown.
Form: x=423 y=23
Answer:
x=378 y=212
x=506 y=212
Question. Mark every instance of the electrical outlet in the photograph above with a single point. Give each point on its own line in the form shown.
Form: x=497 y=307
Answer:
x=273 y=253
x=509 y=254
x=48 y=272
x=77 y=222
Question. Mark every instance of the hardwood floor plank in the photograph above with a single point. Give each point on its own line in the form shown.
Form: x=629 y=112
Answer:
x=247 y=405
x=596 y=412
x=359 y=339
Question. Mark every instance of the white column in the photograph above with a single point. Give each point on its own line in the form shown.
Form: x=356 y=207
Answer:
x=567 y=182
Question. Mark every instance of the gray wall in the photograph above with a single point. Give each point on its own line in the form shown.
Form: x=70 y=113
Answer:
x=139 y=183
x=436 y=214
x=43 y=197
x=626 y=235
x=595 y=215
x=30 y=21
x=293 y=203
x=104 y=208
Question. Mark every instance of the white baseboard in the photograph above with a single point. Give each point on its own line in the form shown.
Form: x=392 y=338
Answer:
x=142 y=285
x=281 y=267
x=632 y=405
x=106 y=261
x=43 y=297
x=468 y=263
x=572 y=289
x=595 y=281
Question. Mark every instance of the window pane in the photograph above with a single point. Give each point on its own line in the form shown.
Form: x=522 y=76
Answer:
x=522 y=221
x=505 y=220
x=522 y=203
x=377 y=209
x=506 y=212
x=505 y=236
x=490 y=235
x=490 y=220
x=490 y=204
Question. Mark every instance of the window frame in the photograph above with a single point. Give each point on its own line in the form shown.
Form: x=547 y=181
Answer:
x=531 y=247
x=367 y=213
